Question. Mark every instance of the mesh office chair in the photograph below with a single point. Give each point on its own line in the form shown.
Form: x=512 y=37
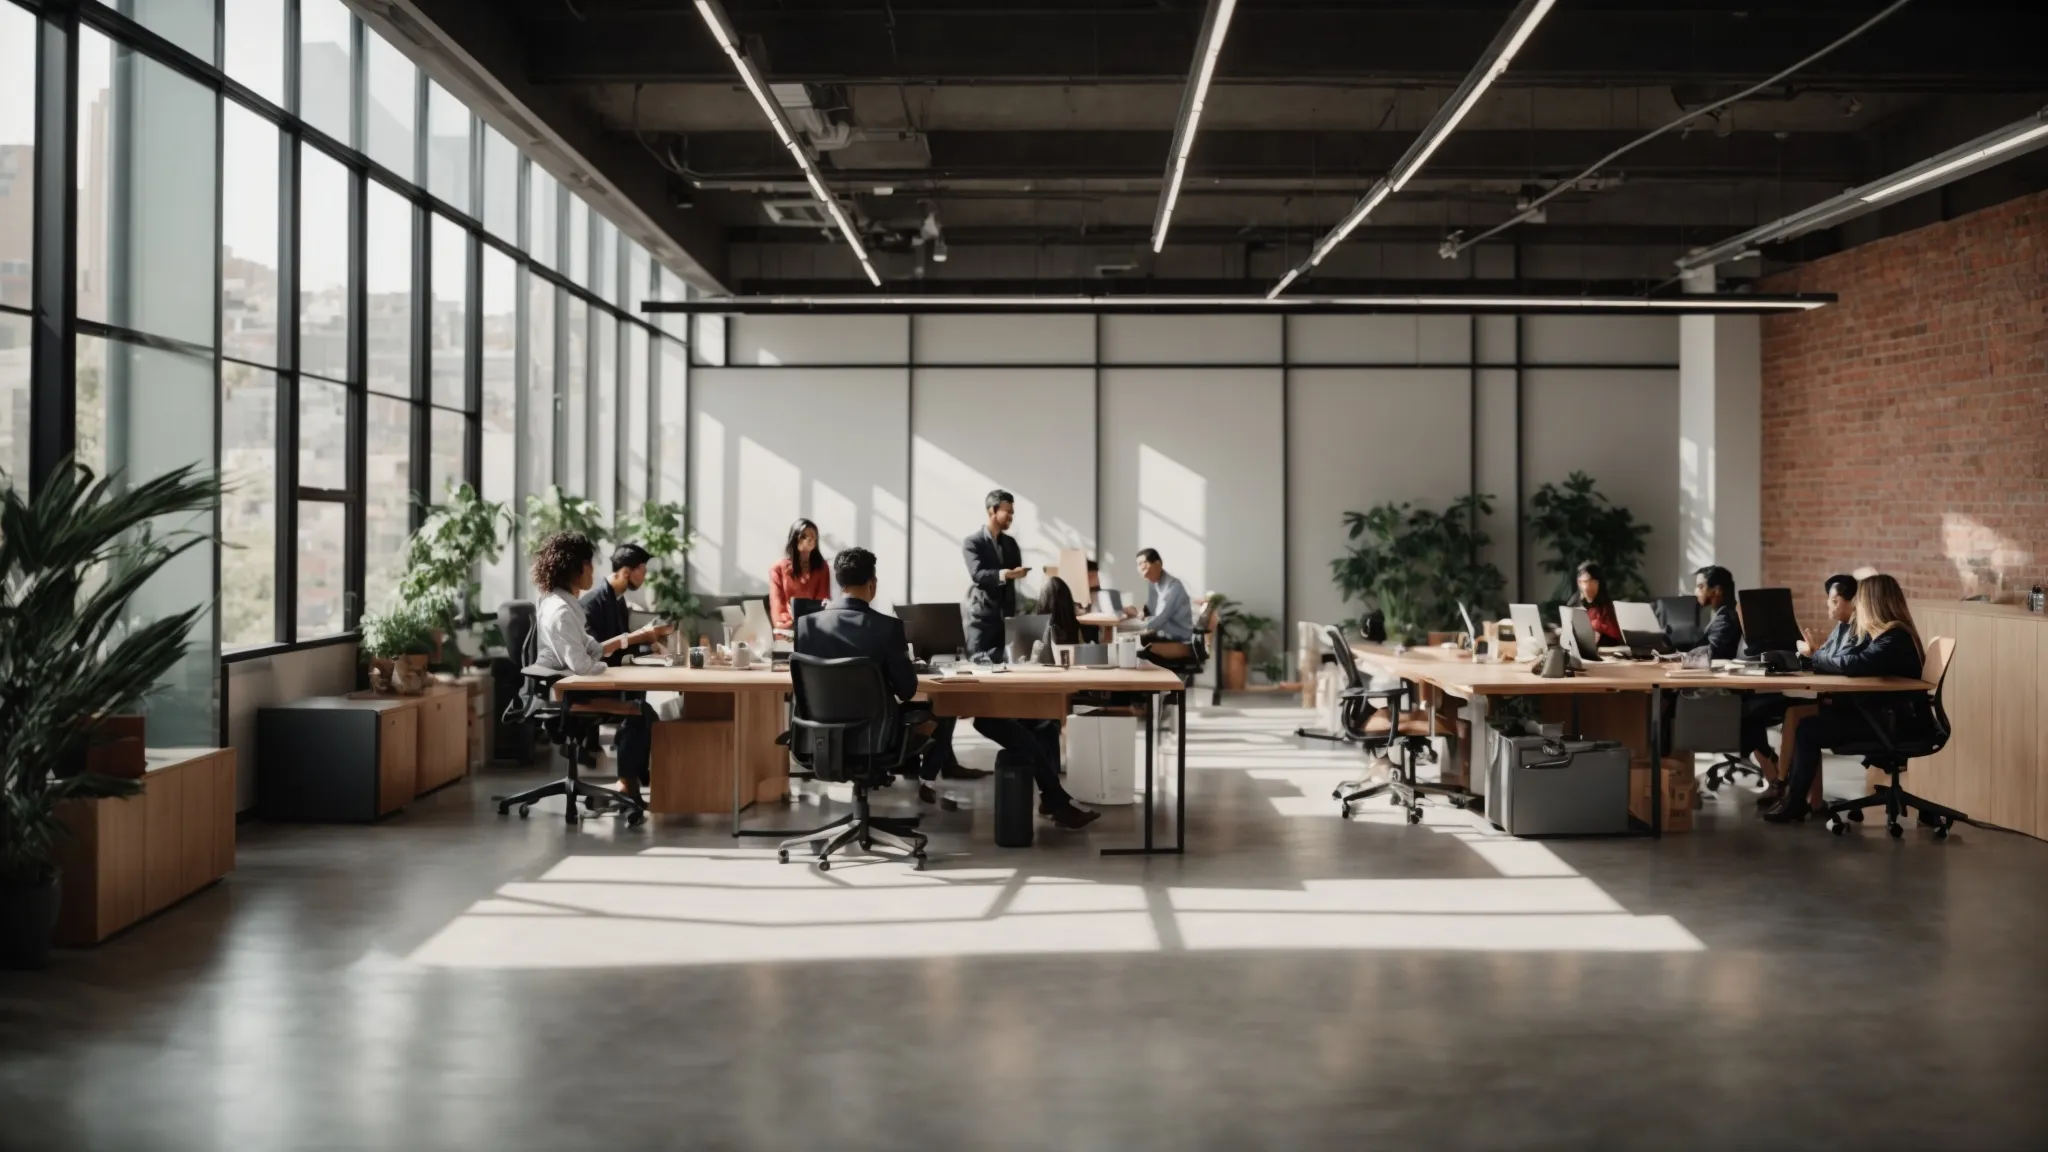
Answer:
x=1887 y=745
x=849 y=730
x=1378 y=720
x=571 y=725
x=1685 y=625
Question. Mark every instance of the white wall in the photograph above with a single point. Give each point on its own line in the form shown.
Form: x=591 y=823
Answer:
x=256 y=684
x=770 y=445
x=1619 y=426
x=1030 y=431
x=1191 y=465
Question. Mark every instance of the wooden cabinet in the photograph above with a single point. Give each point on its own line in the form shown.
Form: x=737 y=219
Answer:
x=337 y=757
x=440 y=728
x=126 y=859
x=1995 y=767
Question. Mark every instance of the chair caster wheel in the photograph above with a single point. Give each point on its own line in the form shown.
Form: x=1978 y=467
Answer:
x=1337 y=794
x=1837 y=825
x=1895 y=828
x=866 y=845
x=1713 y=785
x=917 y=862
x=504 y=810
x=636 y=819
x=1415 y=815
x=1941 y=832
x=525 y=810
x=1346 y=812
x=1857 y=815
x=782 y=856
x=1393 y=801
x=824 y=865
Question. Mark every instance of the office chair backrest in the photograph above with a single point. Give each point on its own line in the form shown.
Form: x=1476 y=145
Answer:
x=847 y=693
x=1680 y=616
x=1934 y=669
x=1341 y=649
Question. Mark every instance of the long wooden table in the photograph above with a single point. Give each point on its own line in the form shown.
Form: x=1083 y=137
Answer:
x=1022 y=693
x=1455 y=673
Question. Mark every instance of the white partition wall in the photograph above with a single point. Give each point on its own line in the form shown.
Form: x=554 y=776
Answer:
x=1233 y=444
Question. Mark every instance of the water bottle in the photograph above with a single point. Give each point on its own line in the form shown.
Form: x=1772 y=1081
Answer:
x=2037 y=601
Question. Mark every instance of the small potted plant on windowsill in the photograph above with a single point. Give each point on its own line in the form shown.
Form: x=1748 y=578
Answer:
x=398 y=642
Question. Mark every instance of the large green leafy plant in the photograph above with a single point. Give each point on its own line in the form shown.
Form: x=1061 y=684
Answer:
x=1576 y=523
x=70 y=561
x=664 y=530
x=440 y=582
x=1415 y=565
x=557 y=511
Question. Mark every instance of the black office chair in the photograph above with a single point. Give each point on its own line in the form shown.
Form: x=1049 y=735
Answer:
x=1888 y=745
x=1685 y=623
x=513 y=740
x=1379 y=721
x=573 y=727
x=1191 y=665
x=849 y=730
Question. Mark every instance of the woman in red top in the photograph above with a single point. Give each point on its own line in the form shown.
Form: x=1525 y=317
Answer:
x=802 y=574
x=1598 y=604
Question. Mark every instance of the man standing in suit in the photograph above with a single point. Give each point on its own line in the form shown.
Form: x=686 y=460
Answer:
x=994 y=565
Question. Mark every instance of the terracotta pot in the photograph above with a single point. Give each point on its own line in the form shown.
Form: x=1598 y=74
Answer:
x=28 y=915
x=409 y=675
x=1235 y=665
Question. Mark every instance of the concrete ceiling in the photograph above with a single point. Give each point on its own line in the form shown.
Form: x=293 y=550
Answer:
x=1035 y=135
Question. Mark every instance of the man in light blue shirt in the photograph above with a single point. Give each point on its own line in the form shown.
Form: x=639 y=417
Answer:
x=1169 y=615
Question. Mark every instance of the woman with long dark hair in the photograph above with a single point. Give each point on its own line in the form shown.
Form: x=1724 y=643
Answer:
x=1057 y=602
x=1592 y=596
x=803 y=573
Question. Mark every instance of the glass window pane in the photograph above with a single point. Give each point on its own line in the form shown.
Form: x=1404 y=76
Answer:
x=323 y=435
x=576 y=397
x=539 y=411
x=670 y=286
x=499 y=474
x=249 y=235
x=604 y=261
x=579 y=240
x=542 y=241
x=387 y=496
x=324 y=229
x=501 y=186
x=248 y=513
x=634 y=429
x=638 y=269
x=323 y=568
x=392 y=108
x=447 y=147
x=604 y=390
x=255 y=43
x=450 y=340
x=14 y=430
x=186 y=23
x=672 y=410
x=147 y=179
x=447 y=437
x=388 y=221
x=17 y=154
x=326 y=79
x=143 y=412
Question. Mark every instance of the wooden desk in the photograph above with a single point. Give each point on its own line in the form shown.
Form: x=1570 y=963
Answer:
x=1022 y=693
x=1457 y=674
x=1099 y=619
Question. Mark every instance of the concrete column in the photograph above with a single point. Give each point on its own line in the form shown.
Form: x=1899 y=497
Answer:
x=1720 y=434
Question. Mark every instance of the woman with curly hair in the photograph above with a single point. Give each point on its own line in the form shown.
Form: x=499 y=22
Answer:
x=563 y=569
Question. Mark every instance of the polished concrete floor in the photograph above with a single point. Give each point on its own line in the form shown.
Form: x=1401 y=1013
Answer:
x=453 y=979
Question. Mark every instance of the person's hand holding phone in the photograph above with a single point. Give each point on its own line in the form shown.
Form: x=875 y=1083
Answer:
x=1015 y=573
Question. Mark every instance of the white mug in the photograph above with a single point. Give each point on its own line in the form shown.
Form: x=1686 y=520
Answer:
x=742 y=657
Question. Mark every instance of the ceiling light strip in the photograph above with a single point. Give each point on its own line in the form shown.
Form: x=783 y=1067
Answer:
x=1499 y=54
x=1448 y=303
x=1215 y=26
x=1966 y=159
x=728 y=41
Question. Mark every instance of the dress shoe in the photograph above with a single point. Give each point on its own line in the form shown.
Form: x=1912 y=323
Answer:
x=1072 y=818
x=1790 y=811
x=1771 y=796
x=925 y=795
x=958 y=771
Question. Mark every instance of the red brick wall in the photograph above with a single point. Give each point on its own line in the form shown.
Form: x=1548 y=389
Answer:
x=1906 y=427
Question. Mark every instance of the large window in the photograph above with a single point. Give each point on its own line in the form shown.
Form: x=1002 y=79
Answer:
x=448 y=155
x=17 y=235
x=326 y=232
x=327 y=78
x=604 y=397
x=248 y=512
x=387 y=267
x=539 y=417
x=576 y=398
x=392 y=106
x=498 y=473
x=501 y=186
x=255 y=46
x=449 y=335
x=249 y=236
x=387 y=495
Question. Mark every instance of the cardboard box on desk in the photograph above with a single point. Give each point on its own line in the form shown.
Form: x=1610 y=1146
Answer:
x=1681 y=788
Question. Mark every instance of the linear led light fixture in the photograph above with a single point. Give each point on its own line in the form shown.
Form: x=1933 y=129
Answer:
x=1499 y=54
x=1340 y=304
x=728 y=41
x=1966 y=159
x=1215 y=26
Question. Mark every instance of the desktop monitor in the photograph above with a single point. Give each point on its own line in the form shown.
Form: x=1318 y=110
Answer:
x=934 y=630
x=1768 y=624
x=1640 y=628
x=1022 y=633
x=1575 y=624
x=802 y=606
x=1529 y=638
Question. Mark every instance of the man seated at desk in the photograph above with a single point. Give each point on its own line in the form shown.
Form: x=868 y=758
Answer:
x=1715 y=588
x=1168 y=628
x=850 y=626
x=606 y=612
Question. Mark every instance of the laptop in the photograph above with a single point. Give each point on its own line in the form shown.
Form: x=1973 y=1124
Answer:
x=1022 y=633
x=1529 y=635
x=1641 y=630
x=1573 y=623
x=1109 y=600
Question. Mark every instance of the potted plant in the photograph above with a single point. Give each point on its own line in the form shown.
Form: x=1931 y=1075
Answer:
x=663 y=529
x=1415 y=566
x=558 y=511
x=1237 y=633
x=70 y=560
x=398 y=642
x=442 y=558
x=1578 y=524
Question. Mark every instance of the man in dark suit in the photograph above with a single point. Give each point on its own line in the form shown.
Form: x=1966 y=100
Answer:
x=994 y=565
x=1715 y=588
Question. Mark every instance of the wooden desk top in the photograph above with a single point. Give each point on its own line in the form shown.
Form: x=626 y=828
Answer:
x=646 y=678
x=1456 y=672
x=1099 y=619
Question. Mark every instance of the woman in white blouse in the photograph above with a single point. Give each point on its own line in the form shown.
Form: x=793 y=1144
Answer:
x=562 y=570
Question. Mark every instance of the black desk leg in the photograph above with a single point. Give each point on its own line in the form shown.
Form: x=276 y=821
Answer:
x=1151 y=767
x=1657 y=761
x=1180 y=776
